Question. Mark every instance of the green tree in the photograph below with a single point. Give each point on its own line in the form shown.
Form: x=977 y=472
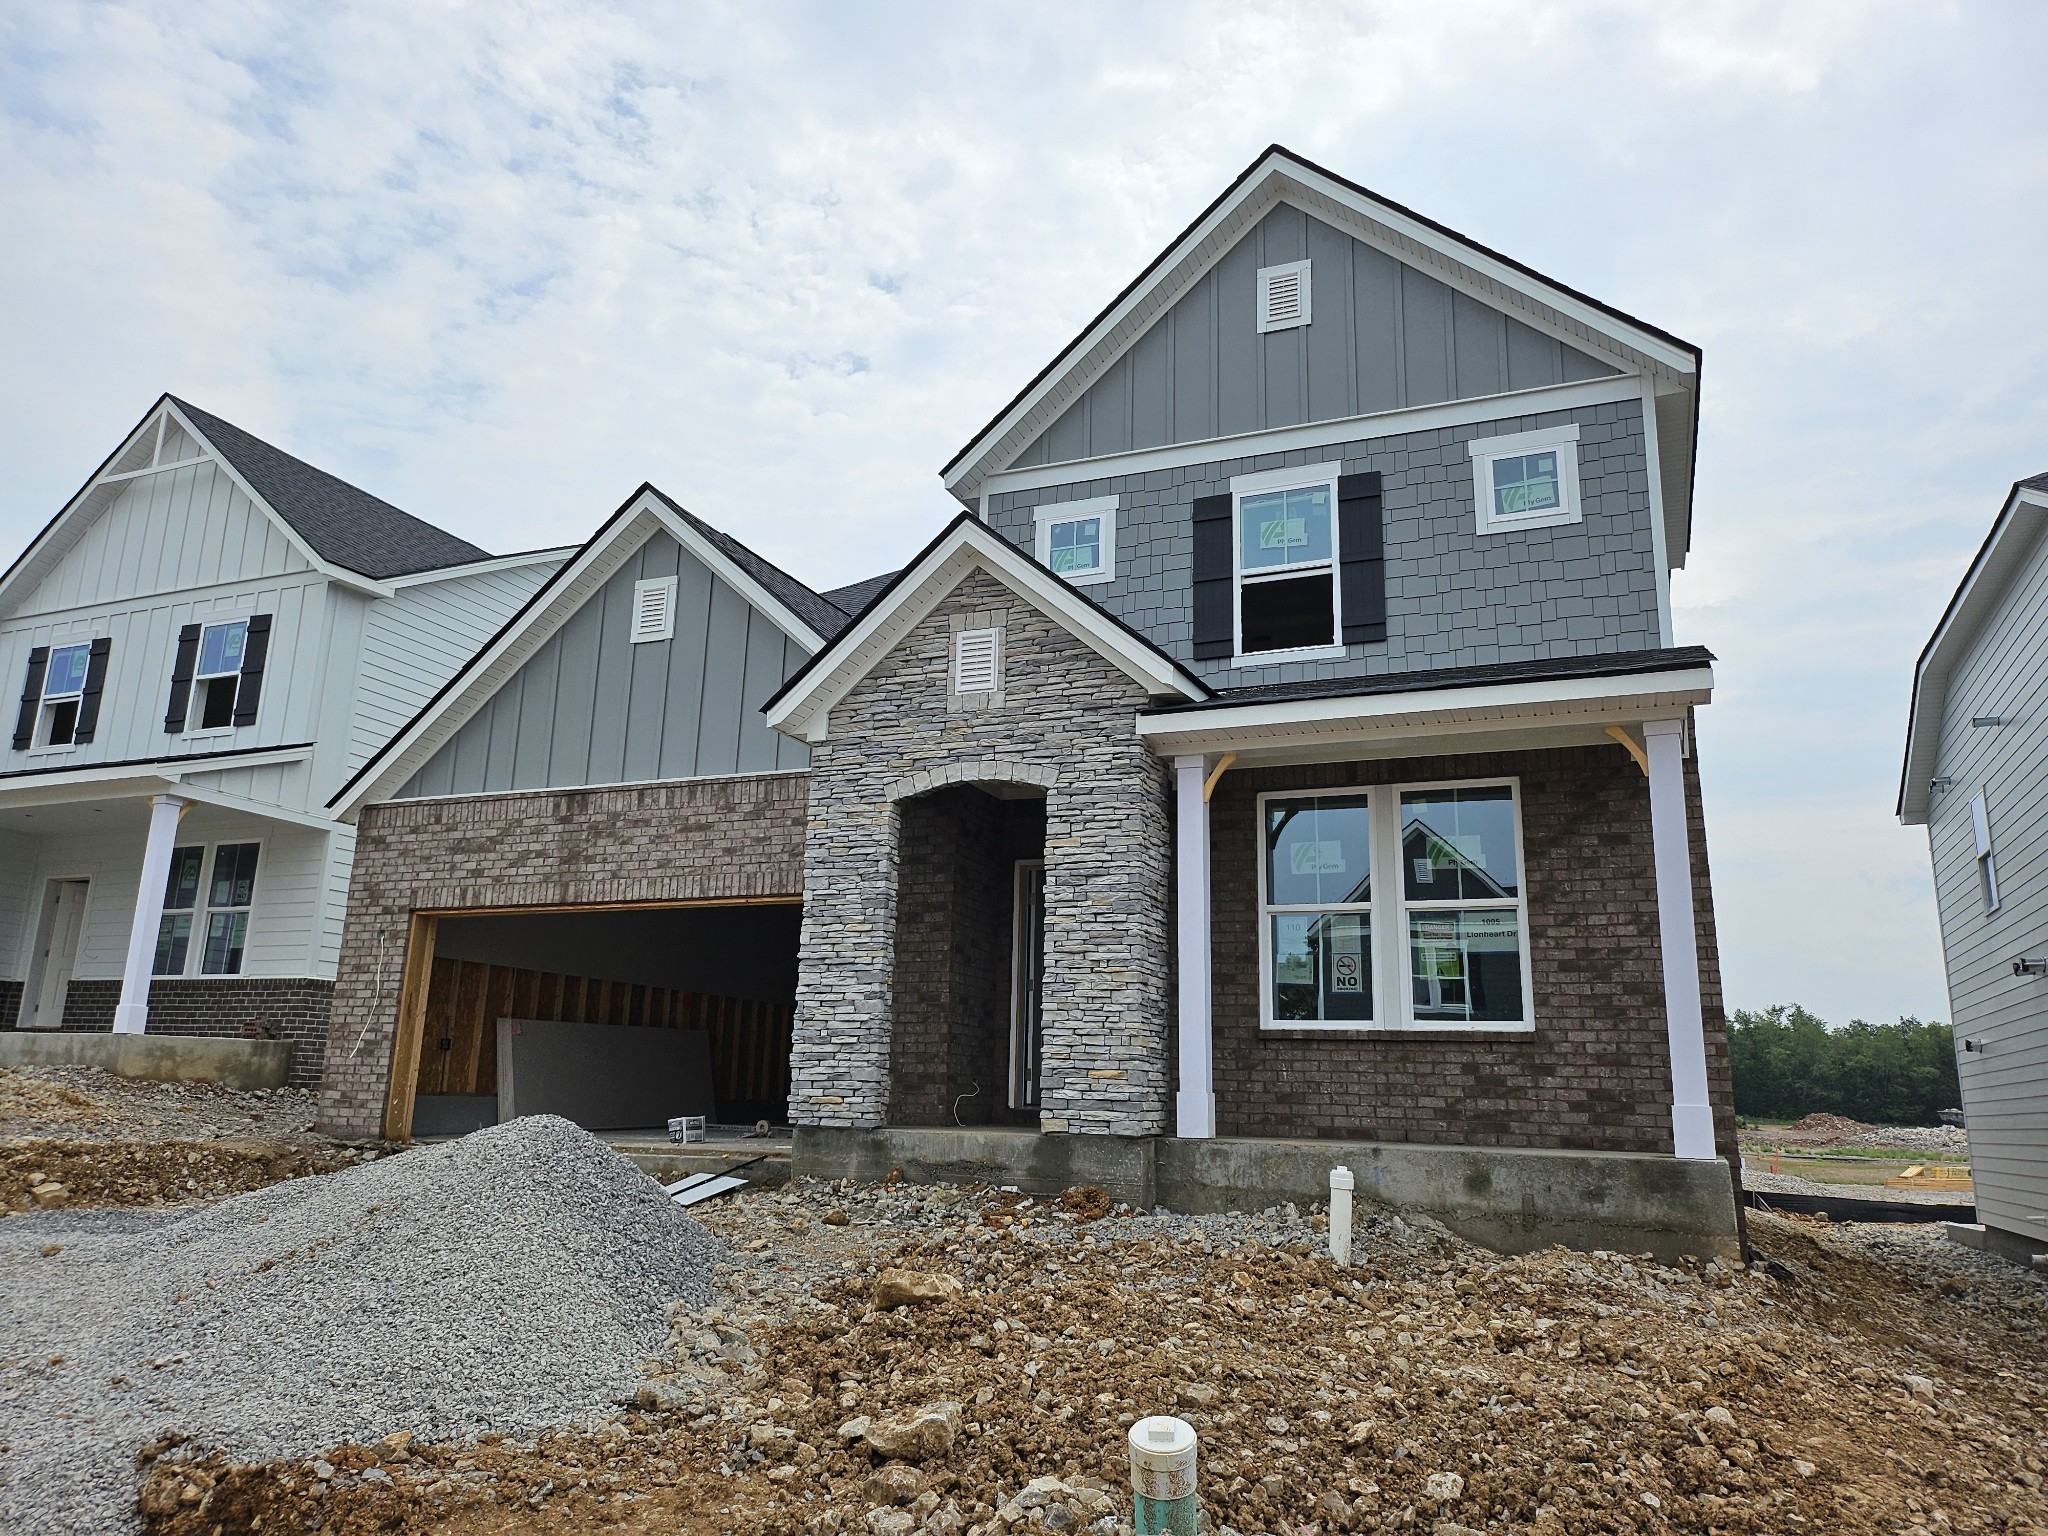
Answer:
x=1788 y=1063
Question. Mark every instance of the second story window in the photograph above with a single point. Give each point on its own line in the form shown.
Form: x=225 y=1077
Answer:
x=1527 y=480
x=1286 y=560
x=60 y=695
x=1077 y=540
x=219 y=675
x=217 y=679
x=63 y=693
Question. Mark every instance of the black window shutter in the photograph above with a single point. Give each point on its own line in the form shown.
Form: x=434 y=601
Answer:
x=181 y=679
x=1215 y=624
x=250 y=689
x=1362 y=562
x=95 y=684
x=31 y=698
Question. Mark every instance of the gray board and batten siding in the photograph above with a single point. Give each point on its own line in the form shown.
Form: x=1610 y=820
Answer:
x=1382 y=336
x=591 y=707
x=1454 y=597
x=2003 y=676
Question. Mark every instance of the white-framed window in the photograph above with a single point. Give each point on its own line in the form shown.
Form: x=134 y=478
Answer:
x=1434 y=938
x=1284 y=296
x=654 y=610
x=977 y=660
x=1284 y=542
x=1315 y=909
x=207 y=920
x=1077 y=540
x=1987 y=864
x=63 y=695
x=1527 y=479
x=217 y=674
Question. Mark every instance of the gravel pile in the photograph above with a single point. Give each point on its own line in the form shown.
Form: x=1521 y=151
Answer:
x=514 y=1279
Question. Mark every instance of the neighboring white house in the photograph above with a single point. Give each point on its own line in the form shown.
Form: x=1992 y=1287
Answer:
x=210 y=638
x=1976 y=776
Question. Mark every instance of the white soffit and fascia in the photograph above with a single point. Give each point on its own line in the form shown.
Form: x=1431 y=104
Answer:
x=1582 y=707
x=803 y=710
x=2022 y=521
x=1663 y=366
x=648 y=512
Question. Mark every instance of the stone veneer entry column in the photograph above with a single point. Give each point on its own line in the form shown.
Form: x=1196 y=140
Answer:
x=1061 y=719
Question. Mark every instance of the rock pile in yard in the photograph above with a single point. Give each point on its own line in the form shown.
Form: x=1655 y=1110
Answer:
x=513 y=1279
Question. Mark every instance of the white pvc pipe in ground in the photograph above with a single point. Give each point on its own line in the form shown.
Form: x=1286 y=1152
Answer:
x=1341 y=1185
x=1163 y=1477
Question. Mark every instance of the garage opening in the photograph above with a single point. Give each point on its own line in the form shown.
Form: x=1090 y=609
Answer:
x=618 y=1019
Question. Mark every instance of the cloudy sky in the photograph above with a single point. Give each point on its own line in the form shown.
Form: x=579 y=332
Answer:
x=500 y=263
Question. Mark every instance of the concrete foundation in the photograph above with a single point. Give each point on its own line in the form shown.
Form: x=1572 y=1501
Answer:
x=1511 y=1200
x=2016 y=1246
x=246 y=1064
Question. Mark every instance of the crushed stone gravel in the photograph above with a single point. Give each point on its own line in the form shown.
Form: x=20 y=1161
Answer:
x=513 y=1279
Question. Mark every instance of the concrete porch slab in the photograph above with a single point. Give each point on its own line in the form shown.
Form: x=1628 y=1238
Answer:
x=245 y=1064
x=1512 y=1200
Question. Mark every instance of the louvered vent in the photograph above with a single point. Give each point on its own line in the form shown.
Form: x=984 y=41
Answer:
x=654 y=609
x=974 y=661
x=1283 y=296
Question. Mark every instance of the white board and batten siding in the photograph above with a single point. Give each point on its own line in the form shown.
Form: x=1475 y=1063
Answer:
x=2004 y=675
x=591 y=706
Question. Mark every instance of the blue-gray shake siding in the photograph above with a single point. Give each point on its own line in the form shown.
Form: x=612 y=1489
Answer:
x=1382 y=336
x=1454 y=598
x=591 y=707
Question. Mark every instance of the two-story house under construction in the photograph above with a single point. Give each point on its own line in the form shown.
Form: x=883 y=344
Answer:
x=209 y=638
x=1284 y=759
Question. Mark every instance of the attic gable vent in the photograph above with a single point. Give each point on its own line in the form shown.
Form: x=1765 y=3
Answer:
x=974 y=660
x=1283 y=296
x=654 y=609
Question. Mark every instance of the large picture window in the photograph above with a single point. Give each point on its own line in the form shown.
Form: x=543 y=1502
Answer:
x=1316 y=899
x=1462 y=894
x=1286 y=559
x=220 y=922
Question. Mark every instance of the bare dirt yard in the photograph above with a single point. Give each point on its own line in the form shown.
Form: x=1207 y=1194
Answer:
x=891 y=1360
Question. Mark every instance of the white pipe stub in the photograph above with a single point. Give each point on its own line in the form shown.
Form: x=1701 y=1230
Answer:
x=1341 y=1184
x=1163 y=1458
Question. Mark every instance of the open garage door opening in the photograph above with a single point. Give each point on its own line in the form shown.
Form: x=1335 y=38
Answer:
x=616 y=1018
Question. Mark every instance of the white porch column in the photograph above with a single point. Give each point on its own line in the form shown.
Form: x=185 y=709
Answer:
x=1692 y=1121
x=131 y=1015
x=1195 y=1109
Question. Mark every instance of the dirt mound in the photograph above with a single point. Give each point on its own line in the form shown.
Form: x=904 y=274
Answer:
x=102 y=1173
x=1822 y=1129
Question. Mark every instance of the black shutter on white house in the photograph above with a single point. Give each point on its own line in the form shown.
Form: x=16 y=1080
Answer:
x=95 y=685
x=1215 y=624
x=181 y=679
x=31 y=698
x=249 y=691
x=1362 y=562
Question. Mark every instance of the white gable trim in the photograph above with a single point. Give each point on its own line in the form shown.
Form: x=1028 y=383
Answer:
x=2022 y=520
x=557 y=554
x=564 y=594
x=804 y=712
x=1278 y=178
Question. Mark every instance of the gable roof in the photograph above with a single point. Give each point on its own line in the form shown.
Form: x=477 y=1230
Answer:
x=644 y=513
x=344 y=526
x=1279 y=174
x=857 y=595
x=2021 y=520
x=801 y=705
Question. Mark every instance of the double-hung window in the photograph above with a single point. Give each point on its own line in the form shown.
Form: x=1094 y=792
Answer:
x=218 y=675
x=181 y=898
x=1464 y=906
x=1286 y=562
x=1077 y=540
x=63 y=695
x=1315 y=886
x=221 y=921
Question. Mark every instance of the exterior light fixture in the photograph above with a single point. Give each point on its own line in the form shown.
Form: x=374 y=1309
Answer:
x=2025 y=966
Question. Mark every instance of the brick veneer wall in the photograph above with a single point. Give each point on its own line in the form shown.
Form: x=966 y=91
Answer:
x=291 y=1008
x=1061 y=719
x=722 y=839
x=1595 y=1074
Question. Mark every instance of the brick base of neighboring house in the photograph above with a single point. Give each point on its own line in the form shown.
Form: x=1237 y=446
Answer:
x=289 y=1008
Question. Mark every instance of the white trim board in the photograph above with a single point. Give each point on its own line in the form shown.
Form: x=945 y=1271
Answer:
x=804 y=712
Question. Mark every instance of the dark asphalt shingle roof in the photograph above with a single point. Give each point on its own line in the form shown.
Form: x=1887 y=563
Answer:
x=345 y=526
x=851 y=599
x=1607 y=664
x=822 y=616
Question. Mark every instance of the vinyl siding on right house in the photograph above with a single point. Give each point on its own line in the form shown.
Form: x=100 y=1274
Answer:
x=2005 y=1083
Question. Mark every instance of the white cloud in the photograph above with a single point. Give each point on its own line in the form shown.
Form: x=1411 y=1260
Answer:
x=500 y=264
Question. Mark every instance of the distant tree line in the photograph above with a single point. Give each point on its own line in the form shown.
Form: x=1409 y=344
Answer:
x=1788 y=1064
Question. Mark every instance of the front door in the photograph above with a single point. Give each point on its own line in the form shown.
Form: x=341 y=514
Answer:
x=1027 y=982
x=57 y=955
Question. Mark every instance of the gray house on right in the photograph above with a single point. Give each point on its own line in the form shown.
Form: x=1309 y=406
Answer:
x=1976 y=776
